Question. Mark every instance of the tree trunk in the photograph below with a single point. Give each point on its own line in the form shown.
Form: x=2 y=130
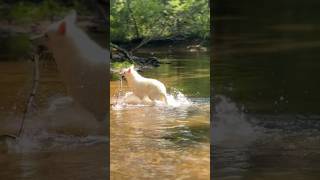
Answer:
x=133 y=19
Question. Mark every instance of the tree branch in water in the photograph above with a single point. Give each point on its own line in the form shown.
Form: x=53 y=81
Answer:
x=30 y=101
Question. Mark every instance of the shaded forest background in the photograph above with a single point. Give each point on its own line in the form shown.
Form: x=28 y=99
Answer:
x=28 y=11
x=130 y=21
x=20 y=20
x=140 y=19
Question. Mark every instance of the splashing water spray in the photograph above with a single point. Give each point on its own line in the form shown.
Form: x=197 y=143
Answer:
x=177 y=99
x=120 y=91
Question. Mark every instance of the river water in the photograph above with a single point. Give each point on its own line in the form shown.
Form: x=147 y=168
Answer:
x=62 y=142
x=59 y=141
x=165 y=142
x=265 y=79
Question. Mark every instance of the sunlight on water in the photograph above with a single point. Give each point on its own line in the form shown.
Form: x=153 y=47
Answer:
x=153 y=140
x=160 y=142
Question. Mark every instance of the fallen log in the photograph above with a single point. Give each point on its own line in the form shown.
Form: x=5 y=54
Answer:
x=124 y=55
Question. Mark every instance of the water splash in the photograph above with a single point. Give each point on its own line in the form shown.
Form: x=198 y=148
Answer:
x=44 y=141
x=231 y=125
x=61 y=125
x=178 y=99
x=128 y=100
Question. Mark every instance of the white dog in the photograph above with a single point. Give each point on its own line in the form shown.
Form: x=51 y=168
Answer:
x=144 y=87
x=82 y=64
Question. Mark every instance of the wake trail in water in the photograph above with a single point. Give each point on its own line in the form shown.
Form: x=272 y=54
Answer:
x=44 y=141
x=233 y=126
x=62 y=125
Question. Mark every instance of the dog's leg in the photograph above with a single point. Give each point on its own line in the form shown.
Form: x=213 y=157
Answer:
x=160 y=97
x=132 y=99
x=164 y=98
x=148 y=101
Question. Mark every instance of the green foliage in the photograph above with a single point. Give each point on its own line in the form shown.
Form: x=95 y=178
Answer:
x=119 y=65
x=27 y=11
x=14 y=47
x=132 y=19
x=24 y=12
x=116 y=67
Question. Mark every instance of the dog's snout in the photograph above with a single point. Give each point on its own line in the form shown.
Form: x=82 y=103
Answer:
x=121 y=74
x=37 y=37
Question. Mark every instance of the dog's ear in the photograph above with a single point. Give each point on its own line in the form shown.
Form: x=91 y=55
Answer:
x=70 y=19
x=62 y=28
x=129 y=70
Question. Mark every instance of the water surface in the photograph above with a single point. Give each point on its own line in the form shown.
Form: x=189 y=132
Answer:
x=165 y=142
x=59 y=141
x=265 y=75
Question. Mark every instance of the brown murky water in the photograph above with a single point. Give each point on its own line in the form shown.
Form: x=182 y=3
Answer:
x=165 y=142
x=266 y=104
x=59 y=142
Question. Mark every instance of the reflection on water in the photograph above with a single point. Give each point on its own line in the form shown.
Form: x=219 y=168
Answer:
x=13 y=47
x=165 y=142
x=267 y=96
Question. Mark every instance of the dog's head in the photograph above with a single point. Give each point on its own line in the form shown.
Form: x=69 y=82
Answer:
x=126 y=72
x=56 y=31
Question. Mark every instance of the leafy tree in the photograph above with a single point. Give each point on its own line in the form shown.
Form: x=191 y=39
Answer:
x=34 y=10
x=135 y=19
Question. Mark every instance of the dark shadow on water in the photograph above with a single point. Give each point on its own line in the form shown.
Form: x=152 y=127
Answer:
x=266 y=60
x=13 y=47
x=188 y=136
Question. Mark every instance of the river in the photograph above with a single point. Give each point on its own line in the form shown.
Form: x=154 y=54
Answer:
x=266 y=103
x=58 y=141
x=165 y=142
x=61 y=142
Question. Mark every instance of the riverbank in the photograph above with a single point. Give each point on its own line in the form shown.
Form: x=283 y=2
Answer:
x=132 y=50
x=179 y=42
